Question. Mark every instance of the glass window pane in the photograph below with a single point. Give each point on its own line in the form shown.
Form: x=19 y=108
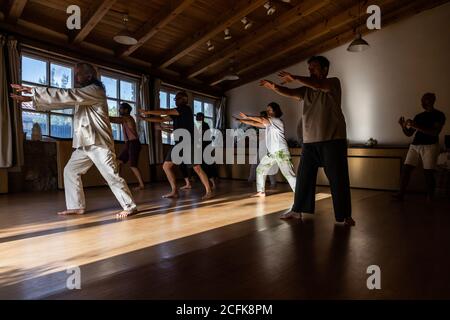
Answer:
x=34 y=70
x=60 y=76
x=163 y=100
x=110 y=86
x=210 y=122
x=165 y=137
x=172 y=101
x=197 y=106
x=127 y=90
x=117 y=131
x=60 y=126
x=209 y=110
x=113 y=108
x=30 y=118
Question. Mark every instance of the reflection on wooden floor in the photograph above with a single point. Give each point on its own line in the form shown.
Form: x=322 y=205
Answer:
x=232 y=246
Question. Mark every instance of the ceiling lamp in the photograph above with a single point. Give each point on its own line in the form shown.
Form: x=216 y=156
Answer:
x=358 y=44
x=125 y=37
x=287 y=1
x=210 y=45
x=232 y=76
x=270 y=8
x=227 y=34
x=247 y=23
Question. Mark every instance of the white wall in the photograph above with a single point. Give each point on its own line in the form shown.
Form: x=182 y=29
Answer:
x=379 y=85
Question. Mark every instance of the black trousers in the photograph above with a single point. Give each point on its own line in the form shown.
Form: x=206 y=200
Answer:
x=332 y=156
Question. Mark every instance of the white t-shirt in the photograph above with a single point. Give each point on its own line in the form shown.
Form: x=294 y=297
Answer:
x=275 y=140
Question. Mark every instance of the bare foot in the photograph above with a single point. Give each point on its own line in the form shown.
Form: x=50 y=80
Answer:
x=172 y=195
x=291 y=215
x=348 y=222
x=139 y=188
x=259 y=195
x=71 y=212
x=186 y=187
x=207 y=195
x=126 y=213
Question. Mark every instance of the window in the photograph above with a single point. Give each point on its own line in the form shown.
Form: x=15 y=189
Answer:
x=39 y=71
x=207 y=107
x=119 y=89
x=167 y=101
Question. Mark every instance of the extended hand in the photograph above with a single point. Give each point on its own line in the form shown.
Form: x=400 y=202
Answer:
x=410 y=123
x=267 y=84
x=20 y=98
x=286 y=77
x=243 y=115
x=402 y=121
x=20 y=88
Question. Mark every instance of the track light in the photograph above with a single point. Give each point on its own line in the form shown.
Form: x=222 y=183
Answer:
x=247 y=23
x=210 y=45
x=227 y=34
x=270 y=8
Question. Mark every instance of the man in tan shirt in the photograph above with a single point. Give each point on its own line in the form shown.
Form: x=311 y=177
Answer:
x=324 y=139
x=92 y=137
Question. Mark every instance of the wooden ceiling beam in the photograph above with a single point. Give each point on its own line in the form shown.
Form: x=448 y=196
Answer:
x=300 y=11
x=14 y=10
x=153 y=26
x=241 y=9
x=54 y=41
x=284 y=46
x=335 y=41
x=94 y=15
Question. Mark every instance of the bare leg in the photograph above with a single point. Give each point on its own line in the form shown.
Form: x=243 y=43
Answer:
x=213 y=183
x=204 y=179
x=138 y=175
x=187 y=185
x=168 y=169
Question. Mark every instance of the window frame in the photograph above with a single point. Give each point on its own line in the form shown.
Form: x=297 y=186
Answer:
x=121 y=77
x=49 y=61
x=169 y=91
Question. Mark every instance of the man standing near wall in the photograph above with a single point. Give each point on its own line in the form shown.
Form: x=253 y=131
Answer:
x=324 y=139
x=426 y=126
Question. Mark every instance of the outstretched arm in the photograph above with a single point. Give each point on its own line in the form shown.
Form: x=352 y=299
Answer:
x=284 y=91
x=159 y=112
x=156 y=119
x=325 y=85
x=261 y=120
x=433 y=131
x=252 y=123
x=407 y=131
x=116 y=120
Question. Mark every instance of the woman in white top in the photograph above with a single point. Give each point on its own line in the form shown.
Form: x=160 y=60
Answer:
x=277 y=148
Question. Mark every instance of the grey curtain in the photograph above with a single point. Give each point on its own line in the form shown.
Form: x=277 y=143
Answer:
x=149 y=89
x=221 y=114
x=16 y=113
x=11 y=132
x=6 y=141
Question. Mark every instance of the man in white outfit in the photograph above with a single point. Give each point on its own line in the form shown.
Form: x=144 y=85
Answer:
x=92 y=137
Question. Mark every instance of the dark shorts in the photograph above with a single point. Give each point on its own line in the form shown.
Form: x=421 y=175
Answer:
x=131 y=152
x=169 y=157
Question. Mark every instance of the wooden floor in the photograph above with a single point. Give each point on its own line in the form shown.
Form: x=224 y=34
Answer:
x=229 y=247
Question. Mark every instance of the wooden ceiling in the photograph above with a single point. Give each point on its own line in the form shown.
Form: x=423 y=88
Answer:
x=172 y=35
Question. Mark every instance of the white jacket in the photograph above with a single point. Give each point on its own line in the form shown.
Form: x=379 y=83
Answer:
x=91 y=124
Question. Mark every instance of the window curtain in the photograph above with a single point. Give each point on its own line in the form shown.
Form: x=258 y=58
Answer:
x=11 y=132
x=149 y=90
x=6 y=143
x=16 y=113
x=220 y=114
